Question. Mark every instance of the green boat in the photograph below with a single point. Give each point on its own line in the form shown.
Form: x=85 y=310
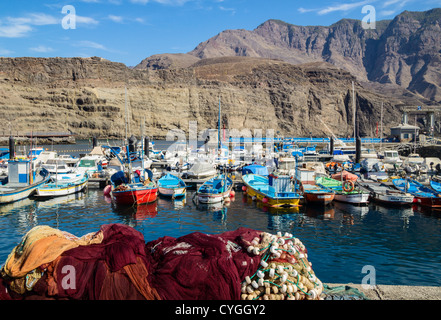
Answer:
x=345 y=191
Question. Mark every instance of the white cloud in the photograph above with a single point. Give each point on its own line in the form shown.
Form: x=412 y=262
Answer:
x=14 y=31
x=117 y=19
x=167 y=2
x=303 y=10
x=342 y=7
x=42 y=49
x=91 y=44
x=86 y=20
x=5 y=52
x=232 y=10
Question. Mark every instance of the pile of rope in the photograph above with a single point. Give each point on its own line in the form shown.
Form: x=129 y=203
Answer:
x=284 y=271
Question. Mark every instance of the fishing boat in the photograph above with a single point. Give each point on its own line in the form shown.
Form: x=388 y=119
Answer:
x=317 y=195
x=386 y=195
x=215 y=189
x=56 y=166
x=274 y=191
x=62 y=185
x=201 y=170
x=423 y=195
x=435 y=183
x=345 y=191
x=171 y=186
x=89 y=164
x=136 y=192
x=22 y=181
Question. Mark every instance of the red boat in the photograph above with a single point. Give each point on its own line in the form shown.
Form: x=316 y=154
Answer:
x=135 y=193
x=434 y=203
x=313 y=194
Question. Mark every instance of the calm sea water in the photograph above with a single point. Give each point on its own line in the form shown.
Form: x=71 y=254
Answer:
x=403 y=245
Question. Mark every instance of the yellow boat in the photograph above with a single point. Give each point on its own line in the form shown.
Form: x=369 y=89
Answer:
x=272 y=191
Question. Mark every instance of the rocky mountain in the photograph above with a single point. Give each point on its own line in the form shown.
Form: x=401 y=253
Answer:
x=404 y=53
x=88 y=97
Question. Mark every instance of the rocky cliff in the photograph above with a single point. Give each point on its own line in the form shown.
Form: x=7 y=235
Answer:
x=404 y=53
x=87 y=96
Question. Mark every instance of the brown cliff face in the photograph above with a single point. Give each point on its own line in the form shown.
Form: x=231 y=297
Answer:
x=404 y=52
x=87 y=96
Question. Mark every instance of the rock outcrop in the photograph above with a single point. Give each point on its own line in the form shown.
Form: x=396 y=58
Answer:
x=404 y=53
x=88 y=97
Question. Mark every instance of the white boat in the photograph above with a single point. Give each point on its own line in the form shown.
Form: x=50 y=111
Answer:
x=89 y=164
x=345 y=191
x=201 y=170
x=56 y=166
x=62 y=185
x=171 y=186
x=215 y=189
x=22 y=181
x=68 y=159
x=414 y=163
x=384 y=194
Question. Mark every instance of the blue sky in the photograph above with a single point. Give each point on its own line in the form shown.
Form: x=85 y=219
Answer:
x=128 y=31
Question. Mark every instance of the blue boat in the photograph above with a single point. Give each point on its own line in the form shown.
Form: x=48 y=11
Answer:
x=435 y=183
x=255 y=169
x=171 y=186
x=215 y=190
x=274 y=191
x=424 y=196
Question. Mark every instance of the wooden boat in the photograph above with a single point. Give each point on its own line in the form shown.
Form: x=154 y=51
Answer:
x=272 y=191
x=387 y=195
x=125 y=192
x=423 y=195
x=62 y=185
x=22 y=181
x=215 y=189
x=345 y=191
x=171 y=186
x=315 y=194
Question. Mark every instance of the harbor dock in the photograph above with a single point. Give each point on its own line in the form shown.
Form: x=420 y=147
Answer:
x=391 y=292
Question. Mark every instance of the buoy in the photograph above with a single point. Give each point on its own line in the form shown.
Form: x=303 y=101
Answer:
x=265 y=200
x=107 y=190
x=232 y=193
x=244 y=188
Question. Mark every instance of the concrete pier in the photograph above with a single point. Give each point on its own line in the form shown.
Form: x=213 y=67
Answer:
x=391 y=292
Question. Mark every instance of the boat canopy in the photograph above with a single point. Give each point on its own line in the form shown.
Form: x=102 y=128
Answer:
x=255 y=169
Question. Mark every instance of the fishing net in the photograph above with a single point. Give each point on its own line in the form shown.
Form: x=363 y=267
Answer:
x=116 y=264
x=284 y=271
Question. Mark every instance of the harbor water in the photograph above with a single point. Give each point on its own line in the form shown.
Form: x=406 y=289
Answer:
x=402 y=245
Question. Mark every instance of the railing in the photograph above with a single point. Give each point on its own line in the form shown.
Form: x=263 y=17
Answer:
x=7 y=133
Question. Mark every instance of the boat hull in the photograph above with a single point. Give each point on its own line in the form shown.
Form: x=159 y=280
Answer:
x=354 y=198
x=319 y=198
x=172 y=192
x=430 y=202
x=400 y=200
x=135 y=195
x=20 y=193
x=54 y=190
x=270 y=201
x=208 y=198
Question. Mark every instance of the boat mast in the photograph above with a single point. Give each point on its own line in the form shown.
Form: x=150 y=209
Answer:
x=353 y=110
x=381 y=127
x=125 y=105
x=219 y=128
